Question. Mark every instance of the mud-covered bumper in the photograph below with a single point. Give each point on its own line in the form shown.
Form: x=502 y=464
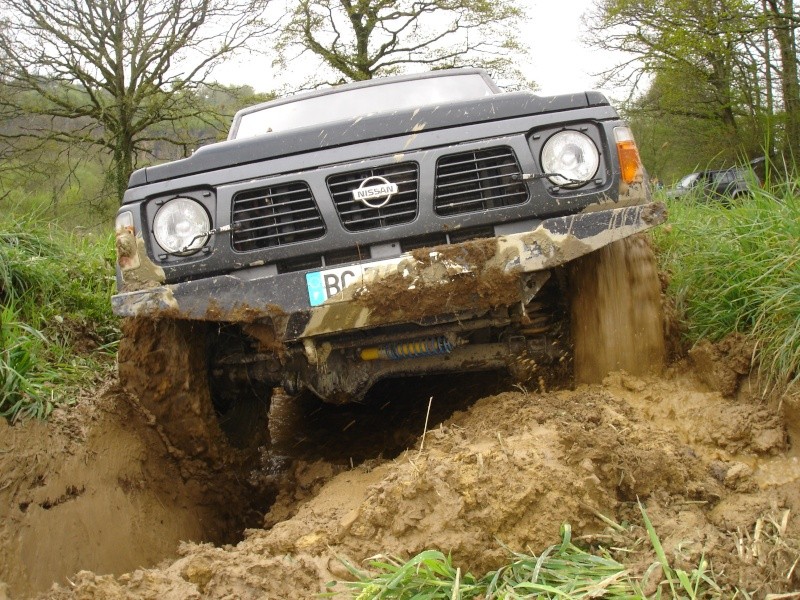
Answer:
x=470 y=276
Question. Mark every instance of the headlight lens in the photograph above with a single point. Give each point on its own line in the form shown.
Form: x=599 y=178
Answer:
x=181 y=226
x=572 y=157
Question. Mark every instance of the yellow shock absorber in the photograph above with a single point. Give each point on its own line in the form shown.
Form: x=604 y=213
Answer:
x=427 y=347
x=370 y=354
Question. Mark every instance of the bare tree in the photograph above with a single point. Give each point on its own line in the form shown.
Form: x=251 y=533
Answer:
x=104 y=72
x=360 y=39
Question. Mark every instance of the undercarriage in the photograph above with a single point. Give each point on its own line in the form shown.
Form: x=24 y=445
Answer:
x=341 y=368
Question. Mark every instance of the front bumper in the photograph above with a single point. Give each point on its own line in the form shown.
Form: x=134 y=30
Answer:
x=473 y=276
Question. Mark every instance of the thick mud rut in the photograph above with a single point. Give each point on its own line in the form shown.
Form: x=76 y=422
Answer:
x=106 y=501
x=98 y=491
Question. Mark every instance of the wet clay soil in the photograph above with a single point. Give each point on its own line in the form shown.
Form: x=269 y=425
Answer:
x=105 y=502
x=96 y=490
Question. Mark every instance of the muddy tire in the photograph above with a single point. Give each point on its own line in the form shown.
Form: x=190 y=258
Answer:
x=615 y=311
x=165 y=364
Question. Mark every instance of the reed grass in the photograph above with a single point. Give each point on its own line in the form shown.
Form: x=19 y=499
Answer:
x=736 y=268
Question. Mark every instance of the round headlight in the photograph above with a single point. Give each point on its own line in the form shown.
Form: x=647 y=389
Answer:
x=181 y=226
x=571 y=157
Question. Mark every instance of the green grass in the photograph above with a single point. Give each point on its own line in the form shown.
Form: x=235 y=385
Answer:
x=57 y=328
x=737 y=269
x=18 y=382
x=698 y=583
x=563 y=571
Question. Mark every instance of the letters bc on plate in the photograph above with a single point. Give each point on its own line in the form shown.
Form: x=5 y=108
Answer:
x=328 y=285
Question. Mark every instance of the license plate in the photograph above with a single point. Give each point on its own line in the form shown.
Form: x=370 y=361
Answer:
x=329 y=285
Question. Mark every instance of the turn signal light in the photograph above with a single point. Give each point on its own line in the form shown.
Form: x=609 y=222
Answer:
x=630 y=164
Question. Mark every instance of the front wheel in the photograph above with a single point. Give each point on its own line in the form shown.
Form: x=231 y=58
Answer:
x=615 y=311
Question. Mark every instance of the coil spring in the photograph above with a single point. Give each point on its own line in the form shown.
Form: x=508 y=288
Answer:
x=429 y=347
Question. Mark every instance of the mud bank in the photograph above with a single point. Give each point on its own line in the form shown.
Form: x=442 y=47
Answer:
x=97 y=485
x=102 y=495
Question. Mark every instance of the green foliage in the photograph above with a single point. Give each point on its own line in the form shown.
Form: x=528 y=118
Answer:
x=60 y=187
x=711 y=69
x=562 y=571
x=57 y=326
x=675 y=138
x=20 y=390
x=736 y=268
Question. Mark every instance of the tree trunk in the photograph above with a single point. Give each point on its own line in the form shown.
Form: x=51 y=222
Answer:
x=783 y=29
x=122 y=165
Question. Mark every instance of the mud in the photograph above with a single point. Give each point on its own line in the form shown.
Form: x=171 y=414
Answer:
x=442 y=280
x=616 y=313
x=120 y=498
x=97 y=486
x=138 y=271
x=725 y=365
x=94 y=500
x=162 y=363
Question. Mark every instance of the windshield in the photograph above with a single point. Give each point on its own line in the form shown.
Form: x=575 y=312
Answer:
x=688 y=181
x=360 y=102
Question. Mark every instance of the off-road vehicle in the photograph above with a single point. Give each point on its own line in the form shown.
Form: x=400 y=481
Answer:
x=406 y=225
x=719 y=185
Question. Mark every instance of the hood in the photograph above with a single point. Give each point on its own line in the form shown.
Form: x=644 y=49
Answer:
x=370 y=127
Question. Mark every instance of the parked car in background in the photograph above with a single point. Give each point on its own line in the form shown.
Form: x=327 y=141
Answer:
x=717 y=184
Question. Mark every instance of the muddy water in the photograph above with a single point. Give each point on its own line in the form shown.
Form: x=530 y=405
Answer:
x=616 y=311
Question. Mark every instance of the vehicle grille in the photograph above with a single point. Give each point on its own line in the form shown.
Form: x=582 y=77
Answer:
x=478 y=180
x=355 y=216
x=275 y=216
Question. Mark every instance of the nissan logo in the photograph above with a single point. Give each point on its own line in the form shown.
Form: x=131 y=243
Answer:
x=372 y=189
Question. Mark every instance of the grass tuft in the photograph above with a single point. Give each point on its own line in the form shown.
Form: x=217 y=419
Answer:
x=56 y=330
x=430 y=574
x=736 y=268
x=18 y=383
x=563 y=571
x=694 y=585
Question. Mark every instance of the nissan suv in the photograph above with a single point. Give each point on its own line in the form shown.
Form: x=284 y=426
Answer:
x=415 y=224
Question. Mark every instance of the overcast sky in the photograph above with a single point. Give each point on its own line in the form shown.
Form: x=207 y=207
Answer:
x=560 y=62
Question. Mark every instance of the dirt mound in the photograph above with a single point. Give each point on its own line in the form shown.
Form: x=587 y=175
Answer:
x=98 y=486
x=717 y=477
